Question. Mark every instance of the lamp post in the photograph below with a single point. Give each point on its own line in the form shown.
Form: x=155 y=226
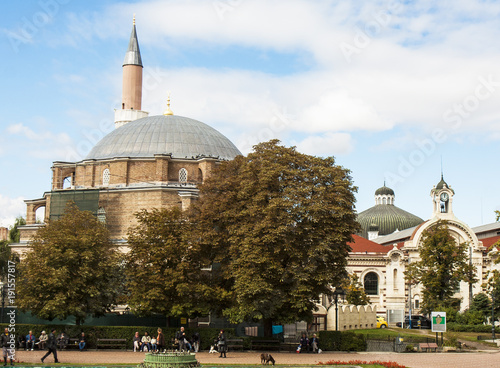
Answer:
x=493 y=314
x=338 y=292
x=3 y=300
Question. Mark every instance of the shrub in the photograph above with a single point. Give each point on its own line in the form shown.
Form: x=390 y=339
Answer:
x=342 y=341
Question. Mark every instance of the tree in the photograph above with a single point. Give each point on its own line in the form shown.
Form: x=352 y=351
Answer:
x=162 y=267
x=14 y=235
x=497 y=214
x=274 y=226
x=71 y=269
x=443 y=264
x=355 y=292
x=481 y=303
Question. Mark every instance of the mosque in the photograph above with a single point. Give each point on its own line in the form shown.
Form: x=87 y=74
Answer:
x=158 y=161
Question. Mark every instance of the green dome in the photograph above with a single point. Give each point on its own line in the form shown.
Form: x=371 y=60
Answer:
x=388 y=218
x=384 y=191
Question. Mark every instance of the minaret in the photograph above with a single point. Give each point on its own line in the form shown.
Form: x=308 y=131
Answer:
x=132 y=84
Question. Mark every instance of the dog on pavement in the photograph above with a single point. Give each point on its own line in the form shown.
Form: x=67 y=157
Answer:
x=266 y=358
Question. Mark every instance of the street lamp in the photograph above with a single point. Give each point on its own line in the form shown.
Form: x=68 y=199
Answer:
x=338 y=292
x=493 y=314
x=3 y=300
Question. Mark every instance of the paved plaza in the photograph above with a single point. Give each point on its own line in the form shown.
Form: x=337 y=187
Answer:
x=480 y=359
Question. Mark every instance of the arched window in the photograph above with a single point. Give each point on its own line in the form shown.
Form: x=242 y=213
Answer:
x=105 y=177
x=384 y=200
x=101 y=214
x=67 y=182
x=183 y=175
x=371 y=283
x=200 y=176
x=395 y=279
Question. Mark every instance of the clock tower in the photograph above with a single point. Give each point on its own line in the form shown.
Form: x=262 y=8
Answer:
x=442 y=198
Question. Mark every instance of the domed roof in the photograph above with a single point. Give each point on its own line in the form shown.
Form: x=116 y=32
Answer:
x=388 y=218
x=384 y=191
x=164 y=134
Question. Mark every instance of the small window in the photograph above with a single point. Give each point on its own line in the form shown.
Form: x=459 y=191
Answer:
x=183 y=175
x=105 y=177
x=417 y=303
x=371 y=284
x=101 y=215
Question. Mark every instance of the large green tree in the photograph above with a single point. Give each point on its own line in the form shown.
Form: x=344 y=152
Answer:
x=71 y=268
x=443 y=264
x=274 y=226
x=163 y=266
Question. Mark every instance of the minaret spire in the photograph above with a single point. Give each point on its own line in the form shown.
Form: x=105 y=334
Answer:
x=132 y=83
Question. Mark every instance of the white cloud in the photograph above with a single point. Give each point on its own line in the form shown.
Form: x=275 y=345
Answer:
x=10 y=208
x=43 y=144
x=329 y=144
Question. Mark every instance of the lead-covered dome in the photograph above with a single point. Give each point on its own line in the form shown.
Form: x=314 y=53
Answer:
x=164 y=134
x=385 y=218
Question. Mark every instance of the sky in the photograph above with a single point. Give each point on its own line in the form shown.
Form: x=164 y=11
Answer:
x=396 y=91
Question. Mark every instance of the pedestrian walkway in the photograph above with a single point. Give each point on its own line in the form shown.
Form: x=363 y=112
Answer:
x=483 y=359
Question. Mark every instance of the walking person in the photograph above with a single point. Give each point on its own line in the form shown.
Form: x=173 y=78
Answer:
x=160 y=340
x=221 y=343
x=51 y=346
x=4 y=341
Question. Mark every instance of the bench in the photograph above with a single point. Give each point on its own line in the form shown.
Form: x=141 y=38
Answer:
x=234 y=344
x=427 y=346
x=265 y=344
x=111 y=343
x=290 y=344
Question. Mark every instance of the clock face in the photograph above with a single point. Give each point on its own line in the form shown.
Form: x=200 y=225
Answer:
x=444 y=197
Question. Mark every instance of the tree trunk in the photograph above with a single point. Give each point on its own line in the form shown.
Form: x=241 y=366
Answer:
x=268 y=327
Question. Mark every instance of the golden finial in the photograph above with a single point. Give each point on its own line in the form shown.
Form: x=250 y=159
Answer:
x=168 y=111
x=133 y=21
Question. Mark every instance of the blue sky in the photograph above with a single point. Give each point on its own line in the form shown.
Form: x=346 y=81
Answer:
x=390 y=88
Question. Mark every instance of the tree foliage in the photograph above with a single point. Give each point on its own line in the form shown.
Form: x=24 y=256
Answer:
x=14 y=235
x=163 y=266
x=355 y=292
x=71 y=269
x=278 y=223
x=443 y=264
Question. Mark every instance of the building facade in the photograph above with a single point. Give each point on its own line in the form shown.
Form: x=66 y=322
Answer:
x=380 y=262
x=146 y=162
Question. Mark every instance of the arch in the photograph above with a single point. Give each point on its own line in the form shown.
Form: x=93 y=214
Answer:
x=68 y=182
x=183 y=175
x=200 y=175
x=40 y=215
x=395 y=279
x=416 y=302
x=384 y=200
x=370 y=282
x=105 y=177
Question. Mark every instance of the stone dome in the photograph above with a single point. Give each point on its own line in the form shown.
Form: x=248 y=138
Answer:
x=164 y=134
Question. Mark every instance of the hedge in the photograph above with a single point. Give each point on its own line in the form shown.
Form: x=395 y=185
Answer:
x=457 y=327
x=341 y=341
x=92 y=333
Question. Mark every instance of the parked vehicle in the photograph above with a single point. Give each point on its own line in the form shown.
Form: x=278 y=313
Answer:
x=416 y=322
x=381 y=322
